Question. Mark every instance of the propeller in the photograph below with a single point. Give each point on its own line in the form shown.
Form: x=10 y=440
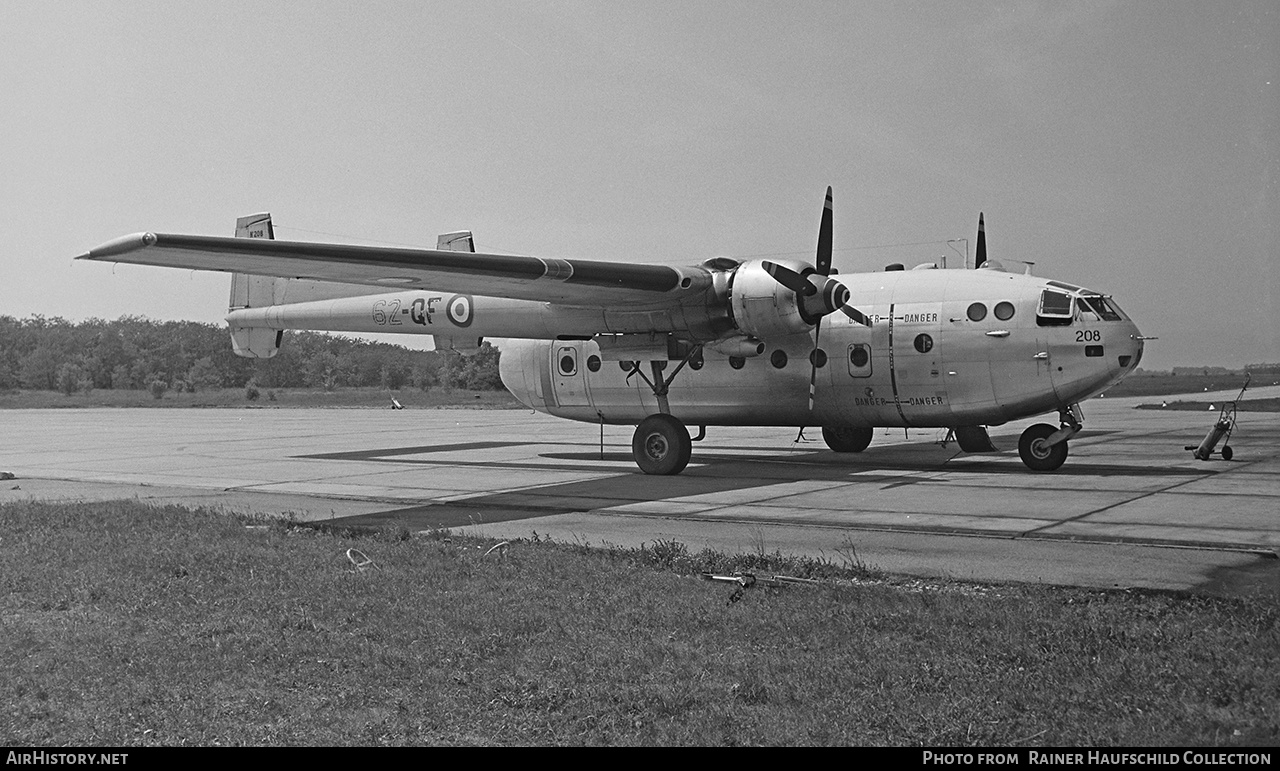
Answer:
x=980 y=256
x=819 y=294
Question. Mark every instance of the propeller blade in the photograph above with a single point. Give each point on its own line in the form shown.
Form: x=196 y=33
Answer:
x=980 y=256
x=813 y=359
x=856 y=315
x=789 y=278
x=820 y=294
x=824 y=239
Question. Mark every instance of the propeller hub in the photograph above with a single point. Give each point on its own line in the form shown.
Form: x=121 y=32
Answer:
x=829 y=297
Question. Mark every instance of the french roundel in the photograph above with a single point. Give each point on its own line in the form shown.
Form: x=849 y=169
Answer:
x=459 y=309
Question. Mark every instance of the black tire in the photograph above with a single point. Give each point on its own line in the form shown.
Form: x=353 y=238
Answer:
x=1227 y=452
x=1035 y=454
x=844 y=439
x=661 y=445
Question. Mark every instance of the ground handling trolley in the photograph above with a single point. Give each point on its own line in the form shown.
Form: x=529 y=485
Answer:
x=1223 y=428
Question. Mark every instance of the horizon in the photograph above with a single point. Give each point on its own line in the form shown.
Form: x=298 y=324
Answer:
x=393 y=339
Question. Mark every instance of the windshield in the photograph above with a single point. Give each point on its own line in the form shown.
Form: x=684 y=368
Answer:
x=1100 y=306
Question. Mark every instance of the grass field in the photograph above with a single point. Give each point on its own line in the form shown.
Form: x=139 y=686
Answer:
x=379 y=398
x=129 y=625
x=1164 y=385
x=1245 y=405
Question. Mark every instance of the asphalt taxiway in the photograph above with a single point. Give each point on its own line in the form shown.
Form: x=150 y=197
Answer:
x=1131 y=507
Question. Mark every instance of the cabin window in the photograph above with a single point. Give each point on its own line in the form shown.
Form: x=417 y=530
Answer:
x=1093 y=350
x=1056 y=309
x=923 y=343
x=778 y=358
x=593 y=363
x=737 y=362
x=818 y=358
x=859 y=360
x=1004 y=311
x=568 y=361
x=977 y=312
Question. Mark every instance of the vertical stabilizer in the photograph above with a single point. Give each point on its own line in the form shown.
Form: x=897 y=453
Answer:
x=459 y=241
x=254 y=292
x=255 y=226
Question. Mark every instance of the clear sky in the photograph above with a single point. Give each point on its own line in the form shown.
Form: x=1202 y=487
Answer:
x=1132 y=147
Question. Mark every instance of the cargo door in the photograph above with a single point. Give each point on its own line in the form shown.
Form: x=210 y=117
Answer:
x=915 y=362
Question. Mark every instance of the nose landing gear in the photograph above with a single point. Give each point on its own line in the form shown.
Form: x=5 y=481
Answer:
x=1044 y=448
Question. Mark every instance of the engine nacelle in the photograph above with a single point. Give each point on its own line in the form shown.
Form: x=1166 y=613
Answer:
x=764 y=308
x=738 y=345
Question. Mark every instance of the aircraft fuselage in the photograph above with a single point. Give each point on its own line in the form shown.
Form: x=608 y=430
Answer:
x=924 y=362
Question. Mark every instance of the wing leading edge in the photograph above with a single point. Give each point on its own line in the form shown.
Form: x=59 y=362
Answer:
x=588 y=283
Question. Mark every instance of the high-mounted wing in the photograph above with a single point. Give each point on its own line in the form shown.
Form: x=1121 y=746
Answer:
x=587 y=283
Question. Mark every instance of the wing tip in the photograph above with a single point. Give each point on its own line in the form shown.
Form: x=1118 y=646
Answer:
x=119 y=246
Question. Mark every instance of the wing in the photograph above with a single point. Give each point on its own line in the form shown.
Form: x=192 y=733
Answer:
x=586 y=283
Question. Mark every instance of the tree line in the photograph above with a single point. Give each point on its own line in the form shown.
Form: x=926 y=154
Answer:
x=132 y=352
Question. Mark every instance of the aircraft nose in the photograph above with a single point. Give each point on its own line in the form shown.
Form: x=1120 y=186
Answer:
x=1132 y=353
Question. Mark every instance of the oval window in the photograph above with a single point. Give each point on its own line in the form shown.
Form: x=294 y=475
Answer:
x=977 y=312
x=567 y=365
x=1004 y=311
x=924 y=343
x=593 y=363
x=818 y=358
x=859 y=356
x=778 y=358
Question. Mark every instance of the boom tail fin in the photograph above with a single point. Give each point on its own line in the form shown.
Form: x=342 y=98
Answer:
x=457 y=241
x=254 y=292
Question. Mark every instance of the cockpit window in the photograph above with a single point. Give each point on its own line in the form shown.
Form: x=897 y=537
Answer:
x=1055 y=304
x=1099 y=305
x=1055 y=308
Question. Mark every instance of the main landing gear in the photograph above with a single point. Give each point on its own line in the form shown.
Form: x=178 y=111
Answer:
x=661 y=445
x=1043 y=447
x=842 y=439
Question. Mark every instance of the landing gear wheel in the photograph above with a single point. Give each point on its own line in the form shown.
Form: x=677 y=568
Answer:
x=1035 y=454
x=661 y=445
x=841 y=439
x=1227 y=452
